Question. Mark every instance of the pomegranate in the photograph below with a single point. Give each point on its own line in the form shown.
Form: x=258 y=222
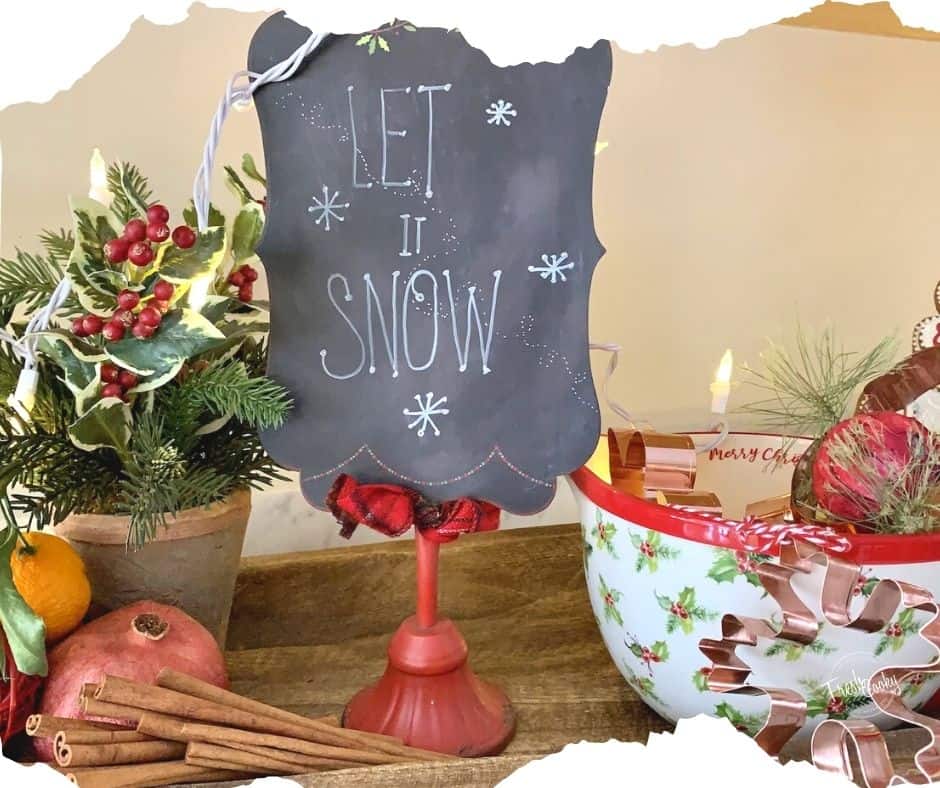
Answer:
x=133 y=642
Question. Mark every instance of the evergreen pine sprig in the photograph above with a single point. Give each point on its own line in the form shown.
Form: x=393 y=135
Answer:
x=58 y=245
x=130 y=191
x=810 y=388
x=158 y=481
x=26 y=281
x=226 y=388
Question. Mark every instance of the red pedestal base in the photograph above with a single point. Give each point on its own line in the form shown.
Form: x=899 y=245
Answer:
x=429 y=697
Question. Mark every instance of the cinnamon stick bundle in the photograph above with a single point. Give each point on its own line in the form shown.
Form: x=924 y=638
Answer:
x=309 y=762
x=122 y=692
x=99 y=737
x=149 y=775
x=94 y=707
x=117 y=753
x=220 y=757
x=190 y=685
x=46 y=726
x=164 y=727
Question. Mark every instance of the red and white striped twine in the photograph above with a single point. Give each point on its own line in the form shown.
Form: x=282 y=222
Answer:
x=763 y=537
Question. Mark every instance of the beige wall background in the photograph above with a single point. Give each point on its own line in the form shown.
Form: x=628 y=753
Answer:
x=788 y=174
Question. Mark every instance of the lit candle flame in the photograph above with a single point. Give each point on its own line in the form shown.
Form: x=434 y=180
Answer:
x=721 y=388
x=98 y=178
x=725 y=367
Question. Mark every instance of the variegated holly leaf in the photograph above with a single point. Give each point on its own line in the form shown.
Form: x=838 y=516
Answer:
x=661 y=649
x=87 y=397
x=182 y=335
x=95 y=282
x=215 y=308
x=201 y=259
x=151 y=382
x=105 y=425
x=22 y=628
x=251 y=169
x=216 y=217
x=246 y=231
x=78 y=360
x=240 y=329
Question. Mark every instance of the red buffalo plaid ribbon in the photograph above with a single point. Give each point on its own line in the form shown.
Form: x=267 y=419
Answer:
x=392 y=510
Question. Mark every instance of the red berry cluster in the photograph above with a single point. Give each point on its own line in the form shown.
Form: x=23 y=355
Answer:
x=244 y=278
x=142 y=324
x=116 y=381
x=135 y=243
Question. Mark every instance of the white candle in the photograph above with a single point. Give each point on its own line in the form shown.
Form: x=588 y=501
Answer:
x=98 y=178
x=199 y=292
x=721 y=388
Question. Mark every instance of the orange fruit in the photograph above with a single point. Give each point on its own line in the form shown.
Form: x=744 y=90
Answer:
x=51 y=579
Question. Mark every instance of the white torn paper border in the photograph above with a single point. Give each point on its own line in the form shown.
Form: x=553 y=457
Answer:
x=47 y=46
x=40 y=775
x=702 y=751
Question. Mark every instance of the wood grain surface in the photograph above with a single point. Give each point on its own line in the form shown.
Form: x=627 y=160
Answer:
x=309 y=629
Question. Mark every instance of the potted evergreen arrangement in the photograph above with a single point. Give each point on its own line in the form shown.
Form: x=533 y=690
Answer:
x=139 y=441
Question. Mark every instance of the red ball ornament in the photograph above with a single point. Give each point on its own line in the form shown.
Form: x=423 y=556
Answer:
x=250 y=274
x=92 y=324
x=140 y=253
x=115 y=250
x=78 y=327
x=158 y=214
x=245 y=292
x=109 y=373
x=163 y=290
x=135 y=230
x=149 y=317
x=128 y=299
x=127 y=379
x=162 y=306
x=112 y=390
x=141 y=331
x=237 y=278
x=158 y=233
x=858 y=457
x=113 y=330
x=184 y=236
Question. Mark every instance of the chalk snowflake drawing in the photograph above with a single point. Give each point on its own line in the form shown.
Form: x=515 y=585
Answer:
x=500 y=112
x=327 y=208
x=554 y=268
x=427 y=409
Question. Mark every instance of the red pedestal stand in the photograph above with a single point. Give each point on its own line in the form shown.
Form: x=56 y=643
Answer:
x=428 y=696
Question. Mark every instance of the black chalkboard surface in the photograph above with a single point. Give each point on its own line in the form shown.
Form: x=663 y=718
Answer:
x=429 y=246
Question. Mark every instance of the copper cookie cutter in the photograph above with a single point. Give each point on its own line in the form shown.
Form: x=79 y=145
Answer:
x=643 y=462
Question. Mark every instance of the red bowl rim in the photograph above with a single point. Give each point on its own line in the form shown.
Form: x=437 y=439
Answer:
x=865 y=548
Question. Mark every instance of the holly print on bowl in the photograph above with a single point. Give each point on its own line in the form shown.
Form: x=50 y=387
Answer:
x=660 y=579
x=651 y=550
x=682 y=612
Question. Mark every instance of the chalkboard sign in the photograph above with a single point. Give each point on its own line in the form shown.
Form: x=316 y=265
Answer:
x=429 y=246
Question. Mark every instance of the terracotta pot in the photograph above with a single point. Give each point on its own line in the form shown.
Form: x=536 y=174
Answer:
x=192 y=563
